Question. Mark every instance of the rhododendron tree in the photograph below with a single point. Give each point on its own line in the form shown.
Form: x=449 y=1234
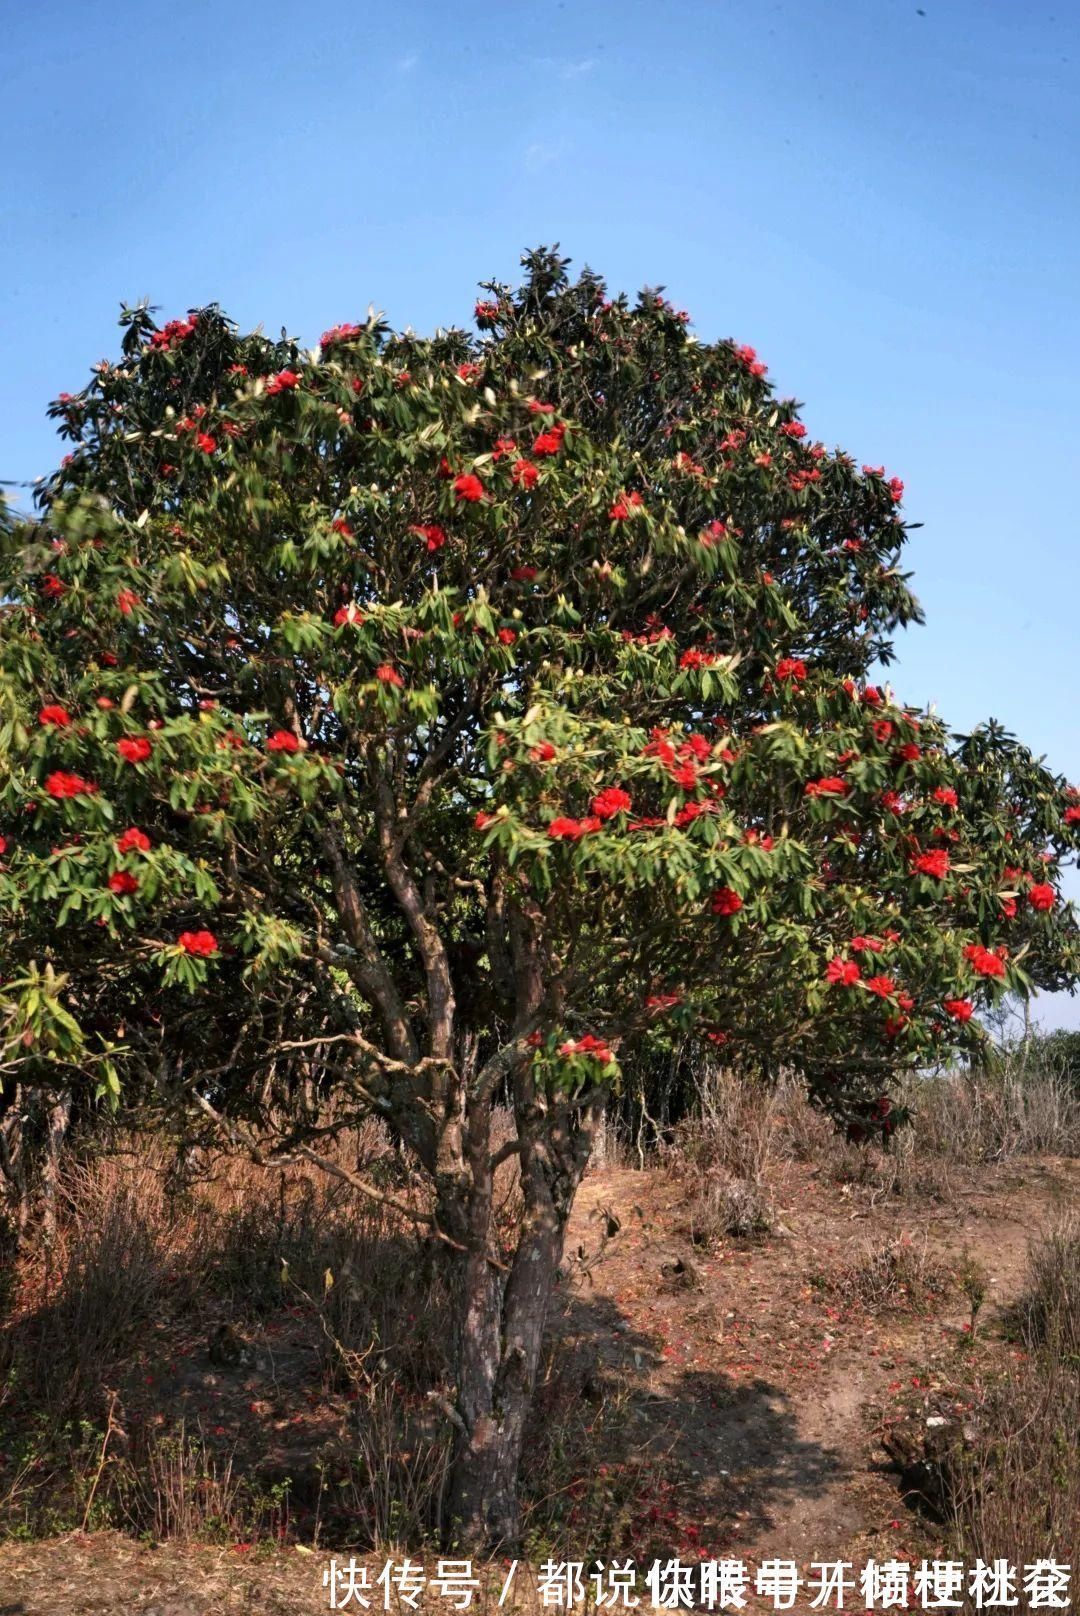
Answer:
x=420 y=724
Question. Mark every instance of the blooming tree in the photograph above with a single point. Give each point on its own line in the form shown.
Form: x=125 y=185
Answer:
x=417 y=724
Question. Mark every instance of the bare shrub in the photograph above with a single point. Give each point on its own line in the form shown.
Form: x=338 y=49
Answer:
x=1016 y=1493
x=900 y=1276
x=1050 y=1311
x=1016 y=1107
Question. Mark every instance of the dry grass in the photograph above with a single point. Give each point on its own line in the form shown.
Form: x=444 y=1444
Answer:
x=1016 y=1493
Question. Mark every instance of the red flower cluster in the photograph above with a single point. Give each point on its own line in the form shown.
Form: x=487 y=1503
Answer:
x=286 y=381
x=791 y=670
x=984 y=961
x=830 y=785
x=589 y=1044
x=845 y=972
x=201 y=943
x=283 y=740
x=57 y=716
x=609 y=802
x=623 y=506
x=433 y=535
x=122 y=883
x=572 y=830
x=387 y=674
x=173 y=331
x=747 y=357
x=348 y=614
x=126 y=599
x=339 y=333
x=725 y=901
x=959 y=1009
x=1041 y=896
x=133 y=841
x=468 y=487
x=935 y=863
x=134 y=748
x=60 y=784
x=946 y=796
x=550 y=441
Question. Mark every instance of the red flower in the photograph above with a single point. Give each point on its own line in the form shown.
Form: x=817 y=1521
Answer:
x=126 y=599
x=983 y=961
x=622 y=507
x=53 y=587
x=433 y=535
x=588 y=1045
x=523 y=575
x=935 y=863
x=60 y=784
x=1008 y=908
x=866 y=945
x=338 y=333
x=387 y=674
x=58 y=716
x=524 y=473
x=468 y=371
x=946 y=796
x=134 y=748
x=1041 y=896
x=284 y=382
x=123 y=882
x=883 y=986
x=506 y=636
x=202 y=943
x=503 y=446
x=959 y=1009
x=173 y=331
x=206 y=443
x=715 y=533
x=348 y=614
x=696 y=658
x=549 y=442
x=133 y=841
x=486 y=313
x=572 y=830
x=830 y=785
x=882 y=729
x=339 y=525
x=793 y=429
x=283 y=740
x=468 y=487
x=483 y=820
x=609 y=802
x=543 y=752
x=843 y=971
x=909 y=752
x=726 y=902
x=1072 y=815
x=791 y=669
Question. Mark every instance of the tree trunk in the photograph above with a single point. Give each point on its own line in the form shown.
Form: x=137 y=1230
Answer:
x=501 y=1336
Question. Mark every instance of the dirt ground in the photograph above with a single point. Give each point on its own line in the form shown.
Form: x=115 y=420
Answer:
x=762 y=1381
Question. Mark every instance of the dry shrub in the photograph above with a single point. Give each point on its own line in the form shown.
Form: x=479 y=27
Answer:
x=1016 y=1494
x=1017 y=1107
x=899 y=1276
x=1050 y=1312
x=723 y=1152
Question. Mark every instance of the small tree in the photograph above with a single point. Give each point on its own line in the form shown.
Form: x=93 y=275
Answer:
x=417 y=723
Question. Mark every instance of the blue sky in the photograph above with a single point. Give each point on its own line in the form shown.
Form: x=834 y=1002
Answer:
x=876 y=193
